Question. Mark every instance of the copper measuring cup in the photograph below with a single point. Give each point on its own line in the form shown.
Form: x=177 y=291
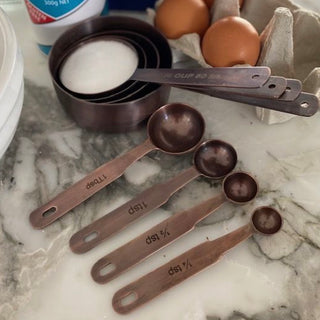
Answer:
x=174 y=128
x=213 y=159
x=238 y=188
x=264 y=220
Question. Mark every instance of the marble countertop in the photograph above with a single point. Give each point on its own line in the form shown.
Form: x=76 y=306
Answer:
x=262 y=279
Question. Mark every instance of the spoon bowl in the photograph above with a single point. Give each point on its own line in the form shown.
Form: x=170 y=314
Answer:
x=266 y=220
x=240 y=187
x=215 y=159
x=174 y=129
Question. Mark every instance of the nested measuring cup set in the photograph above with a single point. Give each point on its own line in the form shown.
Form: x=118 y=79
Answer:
x=174 y=129
x=91 y=100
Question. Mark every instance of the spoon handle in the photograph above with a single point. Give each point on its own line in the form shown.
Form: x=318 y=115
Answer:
x=273 y=88
x=87 y=186
x=306 y=104
x=153 y=240
x=152 y=198
x=176 y=270
x=248 y=77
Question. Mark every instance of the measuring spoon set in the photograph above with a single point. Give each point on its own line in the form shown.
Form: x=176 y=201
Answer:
x=174 y=129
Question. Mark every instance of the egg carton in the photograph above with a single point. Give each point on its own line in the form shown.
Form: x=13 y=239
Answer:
x=290 y=42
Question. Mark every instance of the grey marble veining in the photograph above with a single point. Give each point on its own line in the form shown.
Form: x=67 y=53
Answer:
x=49 y=152
x=262 y=279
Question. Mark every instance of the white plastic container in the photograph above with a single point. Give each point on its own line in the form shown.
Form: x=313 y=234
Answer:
x=50 y=18
x=11 y=82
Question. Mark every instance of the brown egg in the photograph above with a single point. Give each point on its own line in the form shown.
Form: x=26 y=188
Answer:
x=230 y=41
x=175 y=18
x=209 y=3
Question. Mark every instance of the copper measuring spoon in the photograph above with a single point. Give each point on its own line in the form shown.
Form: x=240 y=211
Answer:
x=174 y=128
x=213 y=159
x=264 y=220
x=238 y=188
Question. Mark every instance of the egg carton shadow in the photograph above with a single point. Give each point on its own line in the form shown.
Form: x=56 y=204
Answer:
x=289 y=42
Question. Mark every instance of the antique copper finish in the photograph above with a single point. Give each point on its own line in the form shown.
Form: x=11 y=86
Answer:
x=267 y=220
x=248 y=77
x=238 y=188
x=305 y=104
x=213 y=159
x=170 y=120
x=275 y=87
x=107 y=116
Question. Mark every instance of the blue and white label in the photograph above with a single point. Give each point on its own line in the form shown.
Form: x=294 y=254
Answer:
x=45 y=11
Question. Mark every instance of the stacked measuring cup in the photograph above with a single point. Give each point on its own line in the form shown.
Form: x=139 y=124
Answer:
x=128 y=105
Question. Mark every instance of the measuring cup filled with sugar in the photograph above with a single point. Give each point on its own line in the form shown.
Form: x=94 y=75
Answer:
x=99 y=65
x=96 y=66
x=50 y=18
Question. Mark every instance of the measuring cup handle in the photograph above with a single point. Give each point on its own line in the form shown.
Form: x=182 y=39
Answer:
x=175 y=271
x=134 y=209
x=86 y=187
x=306 y=104
x=244 y=77
x=153 y=240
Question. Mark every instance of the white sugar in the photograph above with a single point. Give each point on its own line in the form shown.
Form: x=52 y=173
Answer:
x=98 y=66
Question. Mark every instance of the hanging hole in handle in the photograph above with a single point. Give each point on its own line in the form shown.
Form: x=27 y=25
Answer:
x=288 y=89
x=107 y=269
x=49 y=212
x=272 y=86
x=256 y=76
x=304 y=104
x=91 y=236
x=128 y=299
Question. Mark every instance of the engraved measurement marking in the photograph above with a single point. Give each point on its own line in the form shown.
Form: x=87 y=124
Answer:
x=184 y=266
x=137 y=207
x=184 y=75
x=201 y=76
x=162 y=234
x=96 y=181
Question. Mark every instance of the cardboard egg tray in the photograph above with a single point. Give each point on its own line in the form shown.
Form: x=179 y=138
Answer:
x=290 y=37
